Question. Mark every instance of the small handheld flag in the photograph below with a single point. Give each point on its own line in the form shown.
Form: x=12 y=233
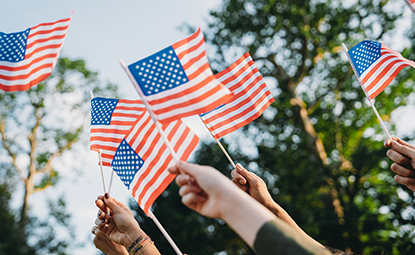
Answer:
x=251 y=97
x=142 y=158
x=111 y=119
x=28 y=57
x=376 y=66
x=177 y=81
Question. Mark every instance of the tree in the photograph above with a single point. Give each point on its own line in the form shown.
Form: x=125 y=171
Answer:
x=319 y=147
x=37 y=126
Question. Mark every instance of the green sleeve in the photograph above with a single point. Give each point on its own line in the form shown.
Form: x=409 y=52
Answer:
x=271 y=239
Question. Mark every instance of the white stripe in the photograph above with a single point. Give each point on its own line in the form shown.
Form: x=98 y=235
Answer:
x=190 y=55
x=190 y=44
x=236 y=69
x=49 y=44
x=27 y=80
x=196 y=66
x=50 y=27
x=28 y=61
x=381 y=82
x=107 y=135
x=115 y=128
x=124 y=119
x=27 y=70
x=101 y=143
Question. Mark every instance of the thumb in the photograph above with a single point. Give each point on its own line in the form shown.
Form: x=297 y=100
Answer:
x=188 y=168
x=242 y=171
x=114 y=205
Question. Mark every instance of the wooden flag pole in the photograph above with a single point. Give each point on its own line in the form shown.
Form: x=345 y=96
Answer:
x=164 y=232
x=150 y=111
x=220 y=145
x=364 y=90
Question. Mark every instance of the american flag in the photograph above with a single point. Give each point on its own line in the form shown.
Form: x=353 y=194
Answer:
x=251 y=98
x=28 y=57
x=111 y=119
x=411 y=4
x=376 y=65
x=142 y=159
x=178 y=82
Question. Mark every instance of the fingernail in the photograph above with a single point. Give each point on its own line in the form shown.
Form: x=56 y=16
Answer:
x=107 y=195
x=241 y=182
x=103 y=221
x=99 y=214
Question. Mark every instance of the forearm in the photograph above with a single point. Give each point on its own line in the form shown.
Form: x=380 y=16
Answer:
x=244 y=215
x=278 y=211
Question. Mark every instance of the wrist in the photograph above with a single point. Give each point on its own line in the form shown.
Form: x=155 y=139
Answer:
x=133 y=238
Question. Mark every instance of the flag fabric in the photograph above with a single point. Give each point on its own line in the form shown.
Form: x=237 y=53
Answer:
x=376 y=65
x=178 y=82
x=111 y=119
x=251 y=97
x=411 y=5
x=142 y=158
x=28 y=57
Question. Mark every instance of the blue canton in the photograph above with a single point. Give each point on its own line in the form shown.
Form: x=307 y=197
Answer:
x=159 y=72
x=13 y=46
x=364 y=54
x=126 y=163
x=101 y=110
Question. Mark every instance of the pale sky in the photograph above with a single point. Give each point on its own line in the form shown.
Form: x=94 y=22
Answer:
x=100 y=33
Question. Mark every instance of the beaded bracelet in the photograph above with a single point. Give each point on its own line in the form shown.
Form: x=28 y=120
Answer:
x=145 y=247
x=140 y=246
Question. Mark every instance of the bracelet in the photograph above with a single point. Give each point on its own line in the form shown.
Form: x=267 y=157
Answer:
x=145 y=247
x=140 y=246
x=134 y=243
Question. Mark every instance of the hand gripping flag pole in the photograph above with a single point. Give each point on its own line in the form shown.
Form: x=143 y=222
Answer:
x=166 y=141
x=367 y=96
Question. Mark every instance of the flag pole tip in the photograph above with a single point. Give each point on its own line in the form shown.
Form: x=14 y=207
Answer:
x=92 y=95
x=122 y=63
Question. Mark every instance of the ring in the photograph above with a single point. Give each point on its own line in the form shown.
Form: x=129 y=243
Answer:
x=93 y=229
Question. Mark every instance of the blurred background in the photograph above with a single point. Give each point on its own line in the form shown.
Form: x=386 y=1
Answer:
x=319 y=147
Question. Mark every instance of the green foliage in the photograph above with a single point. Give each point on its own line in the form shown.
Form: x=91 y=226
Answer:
x=37 y=126
x=319 y=147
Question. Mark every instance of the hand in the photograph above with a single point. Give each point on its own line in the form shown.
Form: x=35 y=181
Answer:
x=253 y=185
x=121 y=227
x=107 y=246
x=403 y=154
x=201 y=188
x=256 y=187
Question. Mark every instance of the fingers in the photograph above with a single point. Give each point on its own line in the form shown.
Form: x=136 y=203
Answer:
x=402 y=171
x=114 y=205
x=174 y=169
x=403 y=149
x=189 y=189
x=408 y=182
x=94 y=230
x=184 y=179
x=238 y=178
x=191 y=200
x=397 y=157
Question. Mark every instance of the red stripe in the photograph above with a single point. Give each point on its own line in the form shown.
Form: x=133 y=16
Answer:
x=190 y=102
x=165 y=164
x=163 y=185
x=51 y=23
x=206 y=108
x=387 y=82
x=45 y=32
x=186 y=40
x=245 y=122
x=47 y=47
x=182 y=93
x=193 y=60
x=26 y=76
x=105 y=139
x=384 y=72
x=246 y=101
x=126 y=115
x=44 y=40
x=26 y=86
x=191 y=49
x=375 y=68
x=234 y=65
x=99 y=146
x=32 y=62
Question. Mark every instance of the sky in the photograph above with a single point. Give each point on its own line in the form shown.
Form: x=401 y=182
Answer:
x=101 y=32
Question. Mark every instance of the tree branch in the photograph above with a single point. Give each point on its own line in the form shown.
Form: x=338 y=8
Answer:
x=48 y=166
x=7 y=148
